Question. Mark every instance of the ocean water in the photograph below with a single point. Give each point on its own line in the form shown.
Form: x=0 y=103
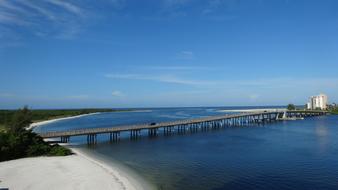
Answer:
x=297 y=155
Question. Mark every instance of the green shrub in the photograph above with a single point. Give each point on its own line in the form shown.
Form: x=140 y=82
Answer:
x=17 y=142
x=58 y=150
x=291 y=107
x=38 y=150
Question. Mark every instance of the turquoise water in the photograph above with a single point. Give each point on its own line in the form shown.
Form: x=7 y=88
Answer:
x=300 y=154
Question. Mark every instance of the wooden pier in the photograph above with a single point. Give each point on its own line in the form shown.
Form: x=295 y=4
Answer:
x=181 y=126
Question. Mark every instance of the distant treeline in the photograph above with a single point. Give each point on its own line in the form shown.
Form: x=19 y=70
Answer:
x=40 y=115
x=333 y=108
x=334 y=111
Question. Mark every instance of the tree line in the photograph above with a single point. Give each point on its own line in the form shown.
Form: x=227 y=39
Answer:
x=39 y=115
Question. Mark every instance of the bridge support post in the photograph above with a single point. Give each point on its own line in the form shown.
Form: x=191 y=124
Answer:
x=133 y=134
x=152 y=132
x=64 y=139
x=91 y=139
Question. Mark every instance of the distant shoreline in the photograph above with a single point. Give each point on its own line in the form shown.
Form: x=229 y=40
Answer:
x=39 y=123
x=253 y=110
x=48 y=121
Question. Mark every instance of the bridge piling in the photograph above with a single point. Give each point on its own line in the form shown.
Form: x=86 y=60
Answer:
x=91 y=139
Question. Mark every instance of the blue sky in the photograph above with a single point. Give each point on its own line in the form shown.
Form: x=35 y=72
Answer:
x=154 y=53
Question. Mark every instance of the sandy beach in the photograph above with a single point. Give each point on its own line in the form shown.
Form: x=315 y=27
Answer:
x=68 y=172
x=35 y=124
x=78 y=171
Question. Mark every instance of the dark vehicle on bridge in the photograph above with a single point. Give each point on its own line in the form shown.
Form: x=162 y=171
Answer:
x=153 y=123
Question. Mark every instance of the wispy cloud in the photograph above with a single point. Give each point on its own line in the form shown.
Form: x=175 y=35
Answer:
x=78 y=97
x=117 y=93
x=11 y=19
x=220 y=10
x=6 y=95
x=179 y=68
x=38 y=9
x=255 y=83
x=215 y=10
x=4 y=4
x=254 y=97
x=68 y=6
x=212 y=5
x=118 y=4
x=53 y=18
x=175 y=3
x=159 y=78
x=185 y=55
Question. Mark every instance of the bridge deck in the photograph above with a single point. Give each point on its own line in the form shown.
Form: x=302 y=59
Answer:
x=89 y=131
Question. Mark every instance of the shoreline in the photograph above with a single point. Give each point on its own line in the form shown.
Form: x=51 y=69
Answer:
x=124 y=176
x=78 y=171
x=45 y=122
x=253 y=110
x=131 y=177
x=39 y=123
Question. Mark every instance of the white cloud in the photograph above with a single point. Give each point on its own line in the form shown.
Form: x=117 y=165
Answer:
x=117 y=93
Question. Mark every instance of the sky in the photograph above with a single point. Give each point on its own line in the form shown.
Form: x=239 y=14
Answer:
x=166 y=53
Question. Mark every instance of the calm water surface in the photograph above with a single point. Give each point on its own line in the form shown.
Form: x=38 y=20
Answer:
x=293 y=155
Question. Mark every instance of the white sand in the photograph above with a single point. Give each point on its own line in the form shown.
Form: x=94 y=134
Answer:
x=67 y=172
x=59 y=119
x=254 y=110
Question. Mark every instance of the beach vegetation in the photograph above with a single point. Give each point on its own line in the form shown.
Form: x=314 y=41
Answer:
x=18 y=142
x=47 y=114
x=334 y=110
x=291 y=107
x=2 y=128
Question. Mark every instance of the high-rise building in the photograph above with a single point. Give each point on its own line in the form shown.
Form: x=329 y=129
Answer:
x=317 y=102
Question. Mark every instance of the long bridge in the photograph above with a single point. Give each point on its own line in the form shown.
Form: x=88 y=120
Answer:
x=182 y=126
